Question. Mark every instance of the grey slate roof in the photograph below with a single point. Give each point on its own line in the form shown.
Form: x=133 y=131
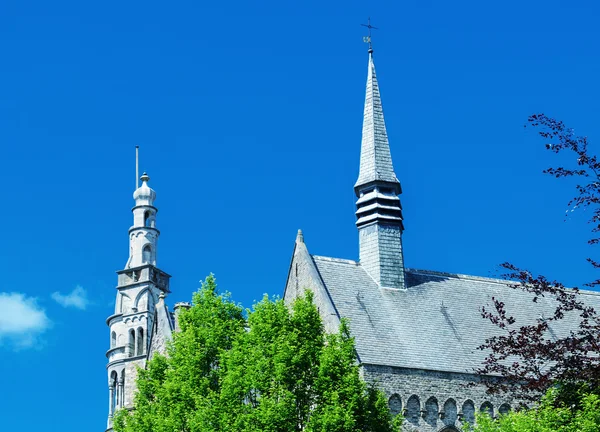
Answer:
x=375 y=157
x=434 y=324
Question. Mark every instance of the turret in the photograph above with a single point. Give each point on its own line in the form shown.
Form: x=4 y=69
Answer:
x=140 y=290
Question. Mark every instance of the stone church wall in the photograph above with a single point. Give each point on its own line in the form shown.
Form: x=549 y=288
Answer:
x=433 y=400
x=130 y=376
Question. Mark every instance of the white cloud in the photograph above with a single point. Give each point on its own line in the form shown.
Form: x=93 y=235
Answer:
x=22 y=320
x=76 y=298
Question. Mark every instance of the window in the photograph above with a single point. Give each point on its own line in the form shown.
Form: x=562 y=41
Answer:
x=131 y=345
x=140 y=341
x=431 y=406
x=395 y=404
x=468 y=411
x=413 y=410
x=487 y=408
x=450 y=412
x=146 y=254
x=504 y=409
x=148 y=222
x=113 y=340
x=114 y=392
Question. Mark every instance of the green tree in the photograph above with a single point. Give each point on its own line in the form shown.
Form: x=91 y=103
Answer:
x=550 y=415
x=271 y=369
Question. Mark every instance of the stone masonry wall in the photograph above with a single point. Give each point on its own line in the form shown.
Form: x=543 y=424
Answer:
x=432 y=400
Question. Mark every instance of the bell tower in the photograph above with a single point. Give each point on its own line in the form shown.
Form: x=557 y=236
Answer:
x=378 y=210
x=141 y=288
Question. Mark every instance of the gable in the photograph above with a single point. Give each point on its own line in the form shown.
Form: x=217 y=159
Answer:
x=303 y=275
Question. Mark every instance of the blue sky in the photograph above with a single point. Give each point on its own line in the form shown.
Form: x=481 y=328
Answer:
x=249 y=116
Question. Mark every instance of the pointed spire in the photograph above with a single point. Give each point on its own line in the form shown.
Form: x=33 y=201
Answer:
x=378 y=209
x=375 y=157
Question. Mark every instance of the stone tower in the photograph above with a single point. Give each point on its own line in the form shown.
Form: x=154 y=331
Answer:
x=139 y=306
x=378 y=209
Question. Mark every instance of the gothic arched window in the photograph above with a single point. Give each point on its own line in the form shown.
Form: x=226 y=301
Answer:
x=450 y=412
x=147 y=254
x=113 y=340
x=148 y=219
x=131 y=344
x=413 y=409
x=114 y=392
x=431 y=406
x=140 y=341
x=395 y=404
x=487 y=408
x=504 y=409
x=468 y=411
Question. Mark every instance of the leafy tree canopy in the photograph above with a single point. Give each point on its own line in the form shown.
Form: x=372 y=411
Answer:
x=271 y=369
x=530 y=357
x=550 y=415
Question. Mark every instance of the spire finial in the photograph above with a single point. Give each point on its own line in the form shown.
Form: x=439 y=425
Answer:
x=145 y=177
x=137 y=166
x=300 y=237
x=367 y=39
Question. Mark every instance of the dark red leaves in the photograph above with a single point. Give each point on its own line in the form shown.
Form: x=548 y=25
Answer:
x=529 y=355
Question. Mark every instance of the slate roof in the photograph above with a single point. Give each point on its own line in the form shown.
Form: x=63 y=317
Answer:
x=375 y=157
x=434 y=324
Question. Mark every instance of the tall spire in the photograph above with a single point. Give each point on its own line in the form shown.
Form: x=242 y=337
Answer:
x=378 y=209
x=375 y=157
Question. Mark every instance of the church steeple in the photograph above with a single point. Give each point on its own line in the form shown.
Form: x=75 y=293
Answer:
x=375 y=157
x=141 y=289
x=378 y=209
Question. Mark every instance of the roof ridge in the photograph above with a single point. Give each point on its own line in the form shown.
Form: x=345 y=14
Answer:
x=340 y=260
x=481 y=279
x=440 y=274
x=458 y=276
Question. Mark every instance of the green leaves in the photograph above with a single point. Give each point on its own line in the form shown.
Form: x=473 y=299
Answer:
x=549 y=416
x=273 y=370
x=345 y=402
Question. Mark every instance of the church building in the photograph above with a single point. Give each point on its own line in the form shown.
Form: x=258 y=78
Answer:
x=416 y=331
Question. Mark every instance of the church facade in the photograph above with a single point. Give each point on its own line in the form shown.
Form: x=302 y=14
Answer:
x=416 y=331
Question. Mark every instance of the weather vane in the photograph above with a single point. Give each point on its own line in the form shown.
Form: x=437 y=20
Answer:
x=367 y=39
